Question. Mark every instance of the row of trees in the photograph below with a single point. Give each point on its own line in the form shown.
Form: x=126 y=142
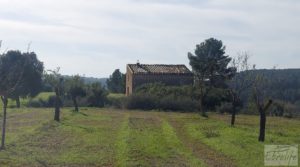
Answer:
x=73 y=88
x=23 y=75
x=213 y=71
x=218 y=78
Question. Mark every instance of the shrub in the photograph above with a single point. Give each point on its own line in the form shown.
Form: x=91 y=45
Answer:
x=290 y=110
x=97 y=95
x=277 y=109
x=210 y=132
x=177 y=104
x=141 y=101
x=116 y=100
x=167 y=103
x=225 y=108
x=40 y=102
x=35 y=103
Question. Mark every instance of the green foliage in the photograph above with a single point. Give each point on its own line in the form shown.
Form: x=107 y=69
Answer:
x=158 y=96
x=116 y=82
x=75 y=87
x=97 y=95
x=21 y=74
x=210 y=67
x=282 y=85
x=42 y=102
x=209 y=63
x=116 y=100
x=225 y=107
x=215 y=97
x=141 y=101
x=56 y=81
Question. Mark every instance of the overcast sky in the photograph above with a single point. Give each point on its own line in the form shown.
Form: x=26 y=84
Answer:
x=94 y=37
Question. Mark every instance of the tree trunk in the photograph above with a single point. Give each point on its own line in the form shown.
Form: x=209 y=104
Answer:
x=57 y=106
x=75 y=104
x=202 y=109
x=263 y=120
x=233 y=115
x=18 y=102
x=262 y=128
x=4 y=100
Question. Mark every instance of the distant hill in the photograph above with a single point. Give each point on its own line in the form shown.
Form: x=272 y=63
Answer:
x=283 y=84
x=89 y=80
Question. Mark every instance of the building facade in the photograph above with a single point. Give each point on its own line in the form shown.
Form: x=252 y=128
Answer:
x=171 y=75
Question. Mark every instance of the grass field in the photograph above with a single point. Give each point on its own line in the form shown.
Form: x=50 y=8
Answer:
x=23 y=101
x=110 y=137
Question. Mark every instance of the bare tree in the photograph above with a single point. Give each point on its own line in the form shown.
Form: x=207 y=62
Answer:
x=241 y=82
x=259 y=95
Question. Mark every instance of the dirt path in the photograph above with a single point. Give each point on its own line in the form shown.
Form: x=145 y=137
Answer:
x=209 y=156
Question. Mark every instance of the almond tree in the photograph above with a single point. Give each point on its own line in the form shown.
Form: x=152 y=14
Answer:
x=241 y=82
x=259 y=96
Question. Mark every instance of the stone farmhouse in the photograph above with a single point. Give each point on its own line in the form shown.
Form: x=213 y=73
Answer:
x=172 y=75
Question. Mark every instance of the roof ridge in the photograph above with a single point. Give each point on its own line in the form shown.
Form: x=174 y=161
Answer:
x=159 y=68
x=161 y=64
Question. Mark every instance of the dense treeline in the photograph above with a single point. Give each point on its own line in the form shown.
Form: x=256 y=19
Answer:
x=282 y=84
x=75 y=93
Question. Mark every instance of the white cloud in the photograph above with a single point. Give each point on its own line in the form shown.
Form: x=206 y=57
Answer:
x=94 y=37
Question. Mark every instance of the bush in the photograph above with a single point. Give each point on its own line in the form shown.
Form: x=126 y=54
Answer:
x=116 y=100
x=225 y=108
x=177 y=104
x=35 y=103
x=290 y=110
x=42 y=103
x=277 y=109
x=167 y=103
x=139 y=101
x=97 y=95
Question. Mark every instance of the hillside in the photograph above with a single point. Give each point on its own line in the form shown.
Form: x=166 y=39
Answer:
x=108 y=137
x=89 y=80
x=280 y=84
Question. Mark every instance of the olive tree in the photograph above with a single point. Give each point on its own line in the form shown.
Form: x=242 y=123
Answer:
x=19 y=73
x=55 y=79
x=75 y=88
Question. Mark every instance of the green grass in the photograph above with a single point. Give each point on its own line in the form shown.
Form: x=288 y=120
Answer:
x=23 y=101
x=111 y=137
x=116 y=95
x=44 y=95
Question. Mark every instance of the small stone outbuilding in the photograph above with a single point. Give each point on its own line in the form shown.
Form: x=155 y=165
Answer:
x=172 y=75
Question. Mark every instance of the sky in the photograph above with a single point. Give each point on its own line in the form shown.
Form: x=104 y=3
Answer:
x=95 y=37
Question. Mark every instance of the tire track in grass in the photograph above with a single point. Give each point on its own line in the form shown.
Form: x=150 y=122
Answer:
x=210 y=156
x=148 y=145
x=172 y=139
x=121 y=145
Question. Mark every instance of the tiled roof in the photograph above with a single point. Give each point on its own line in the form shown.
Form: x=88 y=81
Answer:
x=159 y=69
